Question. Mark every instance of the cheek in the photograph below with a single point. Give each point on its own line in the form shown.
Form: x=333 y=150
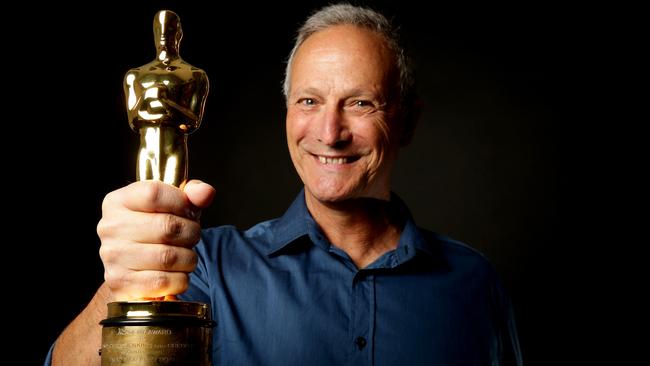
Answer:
x=383 y=132
x=378 y=135
x=295 y=125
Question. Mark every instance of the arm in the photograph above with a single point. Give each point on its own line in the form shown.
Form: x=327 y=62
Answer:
x=147 y=232
x=80 y=341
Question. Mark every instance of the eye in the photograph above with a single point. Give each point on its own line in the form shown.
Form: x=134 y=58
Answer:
x=307 y=101
x=362 y=103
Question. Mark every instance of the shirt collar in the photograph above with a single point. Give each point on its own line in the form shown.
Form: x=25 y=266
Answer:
x=297 y=222
x=292 y=225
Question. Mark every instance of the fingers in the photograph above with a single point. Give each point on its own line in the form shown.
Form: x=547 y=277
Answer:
x=156 y=257
x=147 y=231
x=140 y=227
x=142 y=284
x=150 y=196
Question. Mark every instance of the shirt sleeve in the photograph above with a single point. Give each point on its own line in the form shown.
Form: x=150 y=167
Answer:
x=48 y=358
x=509 y=349
x=199 y=288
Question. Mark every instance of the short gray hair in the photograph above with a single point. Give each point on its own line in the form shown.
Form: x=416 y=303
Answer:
x=341 y=14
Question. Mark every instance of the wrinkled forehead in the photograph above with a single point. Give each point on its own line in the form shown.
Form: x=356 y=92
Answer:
x=344 y=51
x=353 y=38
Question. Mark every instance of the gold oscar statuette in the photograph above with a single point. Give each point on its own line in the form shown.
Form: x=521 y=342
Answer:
x=165 y=100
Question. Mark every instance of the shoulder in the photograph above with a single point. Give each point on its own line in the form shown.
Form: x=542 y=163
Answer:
x=467 y=268
x=228 y=237
x=458 y=256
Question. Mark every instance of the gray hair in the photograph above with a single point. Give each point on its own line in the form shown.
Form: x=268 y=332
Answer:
x=341 y=14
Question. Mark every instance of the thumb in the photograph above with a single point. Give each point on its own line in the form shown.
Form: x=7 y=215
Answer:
x=199 y=193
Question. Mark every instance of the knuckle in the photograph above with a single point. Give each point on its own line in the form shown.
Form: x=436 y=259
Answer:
x=159 y=281
x=108 y=278
x=187 y=262
x=104 y=228
x=101 y=228
x=168 y=257
x=171 y=227
x=194 y=233
x=113 y=280
x=113 y=199
x=151 y=191
x=107 y=200
x=108 y=254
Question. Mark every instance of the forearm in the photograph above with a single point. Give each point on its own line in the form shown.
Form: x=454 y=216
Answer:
x=80 y=341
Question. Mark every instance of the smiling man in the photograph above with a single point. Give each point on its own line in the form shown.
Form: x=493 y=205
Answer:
x=343 y=131
x=345 y=276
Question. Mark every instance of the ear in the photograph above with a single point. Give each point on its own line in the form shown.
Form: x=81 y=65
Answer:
x=410 y=120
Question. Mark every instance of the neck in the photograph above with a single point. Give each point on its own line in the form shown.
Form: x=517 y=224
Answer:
x=167 y=54
x=364 y=228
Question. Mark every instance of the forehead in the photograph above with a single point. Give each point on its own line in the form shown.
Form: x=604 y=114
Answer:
x=344 y=48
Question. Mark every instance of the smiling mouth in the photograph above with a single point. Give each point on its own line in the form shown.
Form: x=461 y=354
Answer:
x=336 y=160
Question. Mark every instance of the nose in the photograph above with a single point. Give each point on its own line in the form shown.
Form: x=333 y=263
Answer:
x=333 y=129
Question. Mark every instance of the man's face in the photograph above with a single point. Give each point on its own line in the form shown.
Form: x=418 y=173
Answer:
x=341 y=108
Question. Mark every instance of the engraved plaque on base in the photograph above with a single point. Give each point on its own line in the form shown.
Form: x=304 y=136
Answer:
x=157 y=333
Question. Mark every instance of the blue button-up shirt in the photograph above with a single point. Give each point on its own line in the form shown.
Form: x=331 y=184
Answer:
x=282 y=294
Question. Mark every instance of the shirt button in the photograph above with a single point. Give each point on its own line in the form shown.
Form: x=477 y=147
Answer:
x=360 y=342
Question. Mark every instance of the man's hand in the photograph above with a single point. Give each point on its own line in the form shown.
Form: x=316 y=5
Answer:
x=147 y=231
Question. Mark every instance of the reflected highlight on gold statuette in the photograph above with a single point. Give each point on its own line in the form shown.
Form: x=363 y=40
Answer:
x=165 y=100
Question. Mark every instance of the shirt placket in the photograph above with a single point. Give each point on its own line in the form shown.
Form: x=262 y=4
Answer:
x=363 y=314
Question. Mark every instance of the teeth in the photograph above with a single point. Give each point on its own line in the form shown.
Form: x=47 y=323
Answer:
x=326 y=160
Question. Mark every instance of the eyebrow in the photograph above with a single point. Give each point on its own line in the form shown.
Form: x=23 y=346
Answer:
x=310 y=90
x=362 y=93
x=356 y=92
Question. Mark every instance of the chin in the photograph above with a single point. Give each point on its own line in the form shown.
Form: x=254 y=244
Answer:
x=331 y=193
x=331 y=197
x=341 y=193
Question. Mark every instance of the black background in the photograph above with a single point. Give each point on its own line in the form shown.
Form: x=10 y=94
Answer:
x=494 y=162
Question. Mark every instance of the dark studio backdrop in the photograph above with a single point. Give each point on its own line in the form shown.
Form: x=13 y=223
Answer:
x=485 y=167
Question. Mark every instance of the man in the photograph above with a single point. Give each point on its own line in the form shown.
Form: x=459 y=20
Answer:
x=345 y=276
